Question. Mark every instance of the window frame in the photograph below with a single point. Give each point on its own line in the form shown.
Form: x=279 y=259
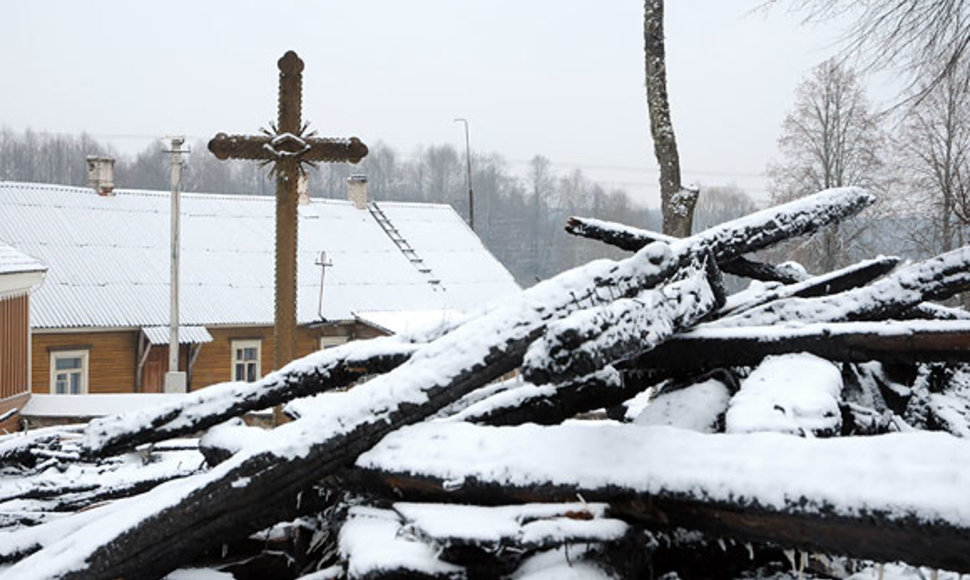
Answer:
x=325 y=342
x=244 y=343
x=84 y=371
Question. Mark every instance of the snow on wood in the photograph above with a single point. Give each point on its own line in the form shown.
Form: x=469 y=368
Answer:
x=409 y=433
x=707 y=347
x=553 y=403
x=797 y=394
x=748 y=234
x=829 y=283
x=29 y=447
x=372 y=545
x=698 y=407
x=586 y=341
x=933 y=279
x=177 y=520
x=886 y=497
x=323 y=370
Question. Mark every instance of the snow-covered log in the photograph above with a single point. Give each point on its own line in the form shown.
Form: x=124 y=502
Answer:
x=889 y=341
x=886 y=498
x=321 y=371
x=27 y=448
x=830 y=283
x=632 y=239
x=753 y=232
x=933 y=311
x=261 y=484
x=933 y=279
x=552 y=403
x=586 y=341
x=746 y=268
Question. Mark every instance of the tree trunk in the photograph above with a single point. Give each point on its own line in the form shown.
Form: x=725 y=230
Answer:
x=676 y=203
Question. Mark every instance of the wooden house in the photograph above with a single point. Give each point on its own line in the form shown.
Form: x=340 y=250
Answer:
x=364 y=269
x=19 y=275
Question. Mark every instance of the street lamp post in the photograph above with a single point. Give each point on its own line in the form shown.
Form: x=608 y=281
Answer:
x=468 y=159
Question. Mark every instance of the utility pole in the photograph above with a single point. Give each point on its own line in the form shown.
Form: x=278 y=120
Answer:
x=468 y=160
x=175 y=380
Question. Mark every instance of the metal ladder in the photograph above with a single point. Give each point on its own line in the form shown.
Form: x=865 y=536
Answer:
x=402 y=244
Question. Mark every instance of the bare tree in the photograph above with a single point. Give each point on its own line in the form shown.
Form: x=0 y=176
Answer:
x=676 y=202
x=927 y=39
x=721 y=203
x=933 y=146
x=830 y=139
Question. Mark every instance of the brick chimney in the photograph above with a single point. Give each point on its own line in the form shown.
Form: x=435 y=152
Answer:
x=101 y=175
x=357 y=190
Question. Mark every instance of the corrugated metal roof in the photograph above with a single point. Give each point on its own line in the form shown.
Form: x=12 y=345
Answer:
x=108 y=258
x=187 y=334
x=13 y=261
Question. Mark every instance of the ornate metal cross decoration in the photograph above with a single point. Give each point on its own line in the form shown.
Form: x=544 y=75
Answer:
x=288 y=147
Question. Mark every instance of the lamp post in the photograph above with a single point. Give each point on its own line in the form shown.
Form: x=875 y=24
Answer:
x=468 y=159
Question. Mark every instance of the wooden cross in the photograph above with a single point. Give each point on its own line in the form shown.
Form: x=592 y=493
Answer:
x=288 y=146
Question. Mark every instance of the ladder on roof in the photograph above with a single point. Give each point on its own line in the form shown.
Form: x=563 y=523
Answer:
x=402 y=244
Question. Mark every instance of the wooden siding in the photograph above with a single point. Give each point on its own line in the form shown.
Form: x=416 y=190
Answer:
x=214 y=363
x=112 y=355
x=14 y=332
x=13 y=423
x=111 y=358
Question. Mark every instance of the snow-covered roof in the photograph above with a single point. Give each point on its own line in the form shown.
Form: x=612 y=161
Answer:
x=13 y=261
x=109 y=258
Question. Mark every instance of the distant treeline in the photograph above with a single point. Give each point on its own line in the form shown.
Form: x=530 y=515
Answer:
x=520 y=218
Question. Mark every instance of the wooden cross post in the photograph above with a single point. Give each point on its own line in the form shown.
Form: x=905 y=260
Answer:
x=287 y=147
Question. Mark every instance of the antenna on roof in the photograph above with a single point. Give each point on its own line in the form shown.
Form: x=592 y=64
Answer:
x=323 y=262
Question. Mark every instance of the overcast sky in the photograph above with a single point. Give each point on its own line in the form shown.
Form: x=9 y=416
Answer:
x=561 y=78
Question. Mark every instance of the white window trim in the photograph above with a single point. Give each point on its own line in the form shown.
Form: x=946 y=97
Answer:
x=82 y=354
x=331 y=341
x=248 y=343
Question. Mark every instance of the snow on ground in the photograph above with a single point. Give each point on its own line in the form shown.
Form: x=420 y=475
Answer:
x=922 y=474
x=697 y=407
x=791 y=393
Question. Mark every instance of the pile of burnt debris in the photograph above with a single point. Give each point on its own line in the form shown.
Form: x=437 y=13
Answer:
x=807 y=423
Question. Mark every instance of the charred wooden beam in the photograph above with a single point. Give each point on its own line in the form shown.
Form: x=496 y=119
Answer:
x=933 y=311
x=586 y=341
x=735 y=238
x=890 y=341
x=830 y=283
x=746 y=268
x=632 y=239
x=261 y=485
x=322 y=371
x=651 y=476
x=933 y=279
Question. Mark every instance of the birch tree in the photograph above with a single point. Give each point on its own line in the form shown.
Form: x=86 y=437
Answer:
x=676 y=202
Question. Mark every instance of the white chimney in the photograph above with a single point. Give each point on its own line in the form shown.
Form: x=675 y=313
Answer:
x=357 y=190
x=101 y=175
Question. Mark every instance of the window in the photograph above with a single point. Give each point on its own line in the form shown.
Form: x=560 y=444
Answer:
x=245 y=360
x=331 y=341
x=69 y=372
